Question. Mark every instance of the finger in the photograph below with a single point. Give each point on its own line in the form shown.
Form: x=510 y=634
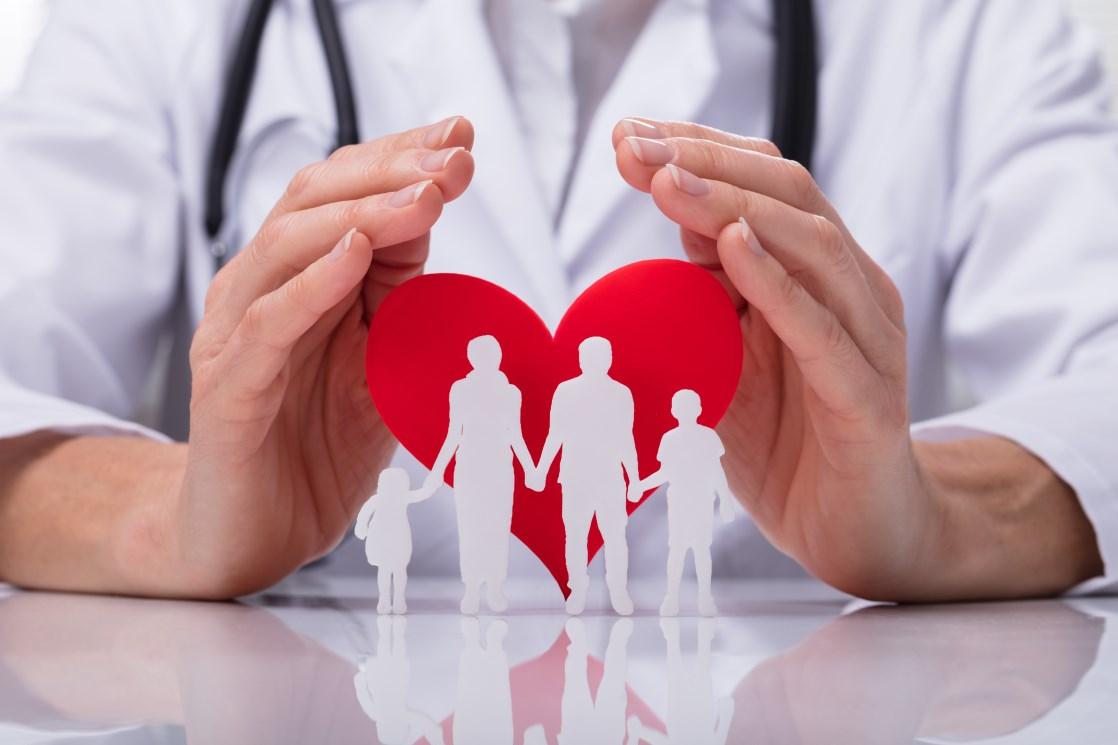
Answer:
x=377 y=173
x=754 y=169
x=260 y=347
x=653 y=129
x=392 y=266
x=288 y=244
x=703 y=252
x=454 y=131
x=811 y=248
x=827 y=356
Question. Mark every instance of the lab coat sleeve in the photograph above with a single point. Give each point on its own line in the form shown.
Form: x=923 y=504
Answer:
x=1031 y=317
x=89 y=222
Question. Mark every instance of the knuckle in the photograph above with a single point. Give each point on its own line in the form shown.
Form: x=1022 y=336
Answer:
x=217 y=291
x=294 y=293
x=788 y=290
x=835 y=340
x=762 y=145
x=302 y=182
x=271 y=232
x=804 y=189
x=345 y=151
x=252 y=322
x=374 y=171
x=831 y=244
x=350 y=214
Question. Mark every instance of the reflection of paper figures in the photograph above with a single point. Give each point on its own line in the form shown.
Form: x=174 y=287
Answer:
x=589 y=719
x=592 y=421
x=383 y=524
x=382 y=684
x=691 y=463
x=694 y=717
x=483 y=703
x=483 y=435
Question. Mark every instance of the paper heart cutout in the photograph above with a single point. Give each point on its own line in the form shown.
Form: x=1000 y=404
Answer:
x=671 y=324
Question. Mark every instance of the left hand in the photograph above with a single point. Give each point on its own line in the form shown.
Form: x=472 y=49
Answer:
x=817 y=436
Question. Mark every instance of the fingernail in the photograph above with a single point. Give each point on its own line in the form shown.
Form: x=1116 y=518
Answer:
x=342 y=247
x=688 y=182
x=438 y=160
x=408 y=195
x=637 y=128
x=750 y=238
x=439 y=133
x=651 y=152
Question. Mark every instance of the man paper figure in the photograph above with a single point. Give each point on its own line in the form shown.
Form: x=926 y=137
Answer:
x=483 y=436
x=592 y=421
x=691 y=463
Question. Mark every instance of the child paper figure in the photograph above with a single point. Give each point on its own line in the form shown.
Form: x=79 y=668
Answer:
x=592 y=422
x=383 y=524
x=691 y=464
x=694 y=717
x=382 y=684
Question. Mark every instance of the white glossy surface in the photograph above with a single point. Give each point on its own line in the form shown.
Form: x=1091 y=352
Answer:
x=789 y=663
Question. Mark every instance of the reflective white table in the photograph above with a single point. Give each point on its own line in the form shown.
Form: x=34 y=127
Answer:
x=791 y=662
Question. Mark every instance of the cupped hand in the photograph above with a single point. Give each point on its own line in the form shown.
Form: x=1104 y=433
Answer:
x=818 y=444
x=285 y=443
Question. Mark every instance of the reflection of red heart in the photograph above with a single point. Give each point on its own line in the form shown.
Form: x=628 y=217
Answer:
x=671 y=324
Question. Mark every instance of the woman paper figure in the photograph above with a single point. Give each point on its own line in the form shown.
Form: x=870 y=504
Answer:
x=483 y=437
x=383 y=524
x=691 y=463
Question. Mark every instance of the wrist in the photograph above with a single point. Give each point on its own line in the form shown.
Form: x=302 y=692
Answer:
x=1003 y=524
x=146 y=542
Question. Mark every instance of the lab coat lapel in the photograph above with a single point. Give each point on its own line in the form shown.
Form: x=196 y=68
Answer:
x=448 y=63
x=669 y=74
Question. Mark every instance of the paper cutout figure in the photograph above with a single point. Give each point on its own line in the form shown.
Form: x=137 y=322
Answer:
x=586 y=718
x=694 y=717
x=483 y=703
x=382 y=683
x=383 y=524
x=483 y=435
x=691 y=464
x=671 y=324
x=592 y=422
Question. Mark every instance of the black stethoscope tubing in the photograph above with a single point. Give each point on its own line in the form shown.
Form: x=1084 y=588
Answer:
x=794 y=95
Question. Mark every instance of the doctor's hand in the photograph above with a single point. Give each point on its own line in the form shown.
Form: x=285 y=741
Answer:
x=285 y=444
x=818 y=442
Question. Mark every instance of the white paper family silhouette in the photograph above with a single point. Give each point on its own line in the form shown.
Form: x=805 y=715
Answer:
x=591 y=432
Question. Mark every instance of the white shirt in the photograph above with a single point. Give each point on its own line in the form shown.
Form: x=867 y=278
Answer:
x=967 y=146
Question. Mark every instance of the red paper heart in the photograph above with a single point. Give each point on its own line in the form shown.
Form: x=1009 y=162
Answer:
x=671 y=324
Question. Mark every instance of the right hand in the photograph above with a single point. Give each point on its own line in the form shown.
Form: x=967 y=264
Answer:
x=285 y=443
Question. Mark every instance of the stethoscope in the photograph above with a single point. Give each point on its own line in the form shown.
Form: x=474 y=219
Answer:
x=794 y=95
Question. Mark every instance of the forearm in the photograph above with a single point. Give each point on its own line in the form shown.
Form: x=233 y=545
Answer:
x=1005 y=525
x=90 y=514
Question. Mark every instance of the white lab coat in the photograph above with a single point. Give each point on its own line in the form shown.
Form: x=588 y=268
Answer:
x=965 y=142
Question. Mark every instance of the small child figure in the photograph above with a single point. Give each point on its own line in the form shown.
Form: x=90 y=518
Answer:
x=691 y=463
x=383 y=524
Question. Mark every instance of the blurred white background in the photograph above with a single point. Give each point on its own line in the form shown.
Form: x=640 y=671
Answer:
x=20 y=21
